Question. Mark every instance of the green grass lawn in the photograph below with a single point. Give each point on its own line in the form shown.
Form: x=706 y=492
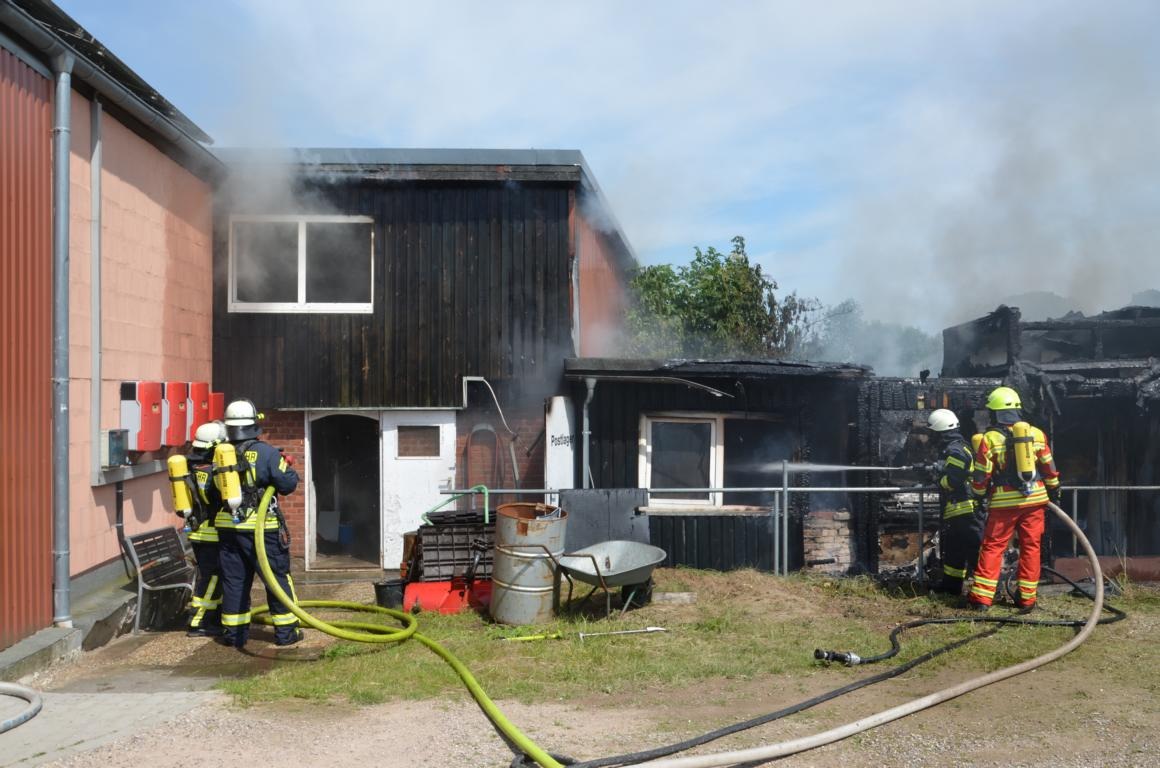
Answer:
x=742 y=626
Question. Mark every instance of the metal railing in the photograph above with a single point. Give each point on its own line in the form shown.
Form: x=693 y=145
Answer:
x=779 y=510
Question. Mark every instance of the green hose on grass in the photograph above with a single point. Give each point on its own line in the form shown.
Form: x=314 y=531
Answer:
x=374 y=633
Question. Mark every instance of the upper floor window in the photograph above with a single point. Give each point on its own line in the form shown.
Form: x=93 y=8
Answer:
x=301 y=263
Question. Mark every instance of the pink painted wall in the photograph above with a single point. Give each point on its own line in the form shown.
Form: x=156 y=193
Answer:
x=602 y=292
x=156 y=321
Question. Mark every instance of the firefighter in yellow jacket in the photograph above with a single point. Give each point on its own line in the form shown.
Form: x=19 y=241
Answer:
x=1015 y=470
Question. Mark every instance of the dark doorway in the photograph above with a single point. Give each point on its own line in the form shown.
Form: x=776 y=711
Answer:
x=345 y=466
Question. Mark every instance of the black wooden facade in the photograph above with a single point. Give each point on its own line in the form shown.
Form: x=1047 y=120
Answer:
x=473 y=276
x=814 y=404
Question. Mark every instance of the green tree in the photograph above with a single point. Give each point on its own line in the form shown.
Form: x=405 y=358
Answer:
x=719 y=305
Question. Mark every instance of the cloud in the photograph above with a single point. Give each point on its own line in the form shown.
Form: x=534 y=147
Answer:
x=924 y=158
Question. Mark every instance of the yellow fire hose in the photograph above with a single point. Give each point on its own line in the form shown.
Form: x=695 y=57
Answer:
x=374 y=633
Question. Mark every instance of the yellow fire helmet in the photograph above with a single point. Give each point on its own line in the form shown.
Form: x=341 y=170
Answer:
x=1003 y=399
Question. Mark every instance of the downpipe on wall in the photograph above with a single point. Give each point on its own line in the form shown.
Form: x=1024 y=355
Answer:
x=62 y=66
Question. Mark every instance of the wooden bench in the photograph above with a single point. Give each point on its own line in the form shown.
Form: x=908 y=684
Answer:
x=161 y=562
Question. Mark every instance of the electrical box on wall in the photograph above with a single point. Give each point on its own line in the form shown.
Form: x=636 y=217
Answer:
x=141 y=414
x=198 y=408
x=175 y=413
x=113 y=442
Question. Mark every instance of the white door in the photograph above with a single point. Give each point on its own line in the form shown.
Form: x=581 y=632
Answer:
x=418 y=463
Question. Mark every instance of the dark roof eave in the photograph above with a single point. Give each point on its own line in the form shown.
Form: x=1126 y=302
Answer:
x=611 y=368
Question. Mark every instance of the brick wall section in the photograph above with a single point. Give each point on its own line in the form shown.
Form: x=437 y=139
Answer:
x=479 y=467
x=284 y=429
x=826 y=537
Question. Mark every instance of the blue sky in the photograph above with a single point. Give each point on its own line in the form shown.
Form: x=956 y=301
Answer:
x=925 y=158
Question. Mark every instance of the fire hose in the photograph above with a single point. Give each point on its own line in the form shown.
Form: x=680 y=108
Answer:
x=19 y=691
x=757 y=755
x=364 y=632
x=520 y=742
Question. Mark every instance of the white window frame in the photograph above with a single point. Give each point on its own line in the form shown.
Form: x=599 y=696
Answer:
x=716 y=454
x=300 y=306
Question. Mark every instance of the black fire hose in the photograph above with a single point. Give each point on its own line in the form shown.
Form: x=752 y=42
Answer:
x=851 y=659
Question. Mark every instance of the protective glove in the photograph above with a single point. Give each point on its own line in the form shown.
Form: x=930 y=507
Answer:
x=1055 y=495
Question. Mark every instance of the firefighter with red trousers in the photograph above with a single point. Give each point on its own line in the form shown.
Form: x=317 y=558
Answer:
x=260 y=465
x=1015 y=470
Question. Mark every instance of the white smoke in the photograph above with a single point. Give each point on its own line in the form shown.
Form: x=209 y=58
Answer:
x=1035 y=177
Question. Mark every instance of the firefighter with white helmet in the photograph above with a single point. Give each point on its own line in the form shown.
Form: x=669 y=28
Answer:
x=196 y=499
x=1014 y=468
x=961 y=526
x=259 y=466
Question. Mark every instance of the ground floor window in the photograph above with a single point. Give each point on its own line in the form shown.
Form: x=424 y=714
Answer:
x=711 y=450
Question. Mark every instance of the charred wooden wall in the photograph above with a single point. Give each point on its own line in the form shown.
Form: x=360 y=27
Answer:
x=470 y=279
x=892 y=432
x=817 y=411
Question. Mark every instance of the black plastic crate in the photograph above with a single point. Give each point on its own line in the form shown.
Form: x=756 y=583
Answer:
x=456 y=517
x=444 y=551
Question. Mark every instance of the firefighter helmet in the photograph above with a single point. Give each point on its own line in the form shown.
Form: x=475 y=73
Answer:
x=242 y=420
x=208 y=435
x=942 y=420
x=1003 y=399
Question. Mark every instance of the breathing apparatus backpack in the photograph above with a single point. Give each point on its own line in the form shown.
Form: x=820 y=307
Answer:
x=187 y=499
x=227 y=478
x=248 y=493
x=1020 y=471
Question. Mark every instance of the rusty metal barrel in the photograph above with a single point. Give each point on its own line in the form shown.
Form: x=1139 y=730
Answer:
x=528 y=539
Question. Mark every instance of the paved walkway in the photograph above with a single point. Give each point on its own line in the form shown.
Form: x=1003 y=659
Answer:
x=71 y=723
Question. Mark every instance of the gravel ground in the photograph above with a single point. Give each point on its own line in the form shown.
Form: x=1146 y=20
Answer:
x=1062 y=716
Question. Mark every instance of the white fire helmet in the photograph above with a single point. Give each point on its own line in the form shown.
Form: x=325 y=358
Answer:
x=242 y=420
x=942 y=420
x=241 y=413
x=208 y=435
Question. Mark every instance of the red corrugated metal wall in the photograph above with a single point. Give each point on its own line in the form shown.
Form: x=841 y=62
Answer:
x=25 y=350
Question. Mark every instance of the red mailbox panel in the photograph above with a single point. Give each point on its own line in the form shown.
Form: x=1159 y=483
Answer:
x=217 y=406
x=175 y=421
x=141 y=414
x=198 y=405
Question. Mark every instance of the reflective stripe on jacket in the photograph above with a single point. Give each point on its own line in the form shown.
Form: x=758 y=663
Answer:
x=264 y=465
x=990 y=471
x=954 y=475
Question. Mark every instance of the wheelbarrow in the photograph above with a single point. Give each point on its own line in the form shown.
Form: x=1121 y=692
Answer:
x=607 y=565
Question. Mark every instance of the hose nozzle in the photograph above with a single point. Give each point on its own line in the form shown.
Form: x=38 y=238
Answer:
x=848 y=658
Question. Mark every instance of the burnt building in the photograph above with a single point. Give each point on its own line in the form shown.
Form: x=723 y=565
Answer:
x=698 y=424
x=1094 y=384
x=1091 y=383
